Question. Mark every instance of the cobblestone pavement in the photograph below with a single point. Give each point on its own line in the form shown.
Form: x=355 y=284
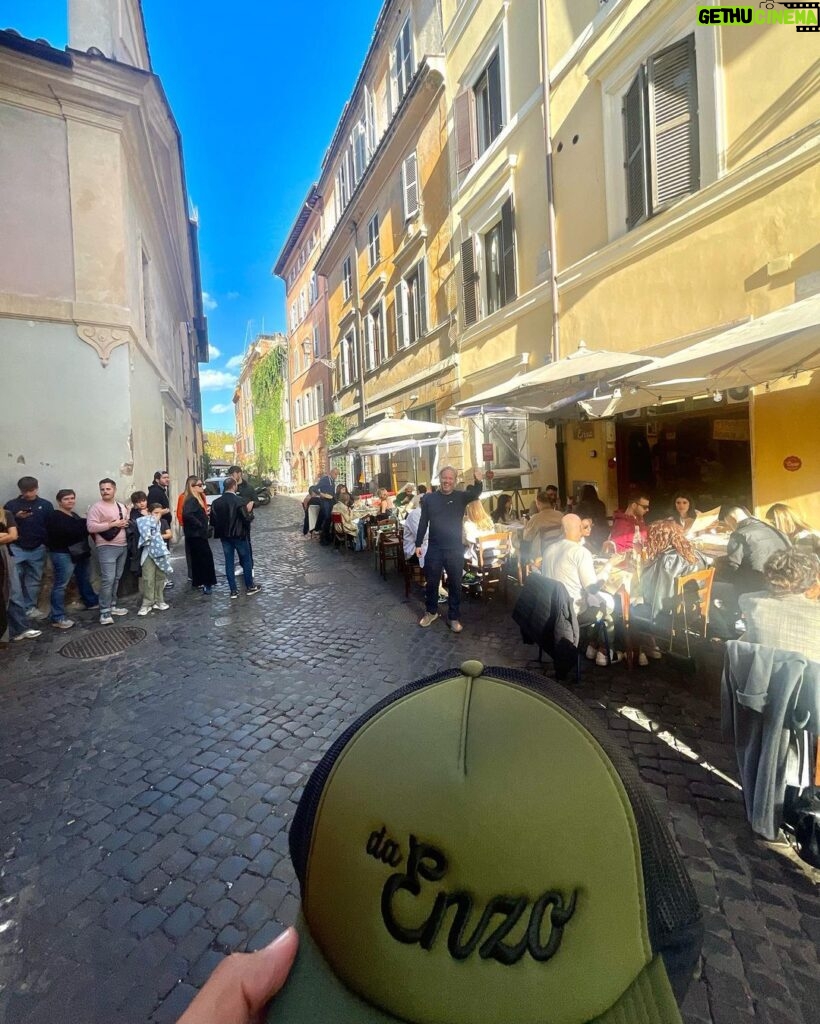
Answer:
x=145 y=798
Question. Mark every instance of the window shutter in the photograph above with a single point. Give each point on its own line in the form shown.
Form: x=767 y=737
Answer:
x=673 y=123
x=494 y=95
x=410 y=186
x=370 y=121
x=469 y=281
x=635 y=152
x=508 y=250
x=385 y=350
x=320 y=401
x=392 y=88
x=402 y=339
x=354 y=355
x=464 y=118
x=369 y=348
x=422 y=299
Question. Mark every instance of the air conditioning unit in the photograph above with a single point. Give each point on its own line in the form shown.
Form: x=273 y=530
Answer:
x=734 y=396
x=632 y=414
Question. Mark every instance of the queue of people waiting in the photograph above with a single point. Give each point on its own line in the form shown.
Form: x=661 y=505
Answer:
x=120 y=537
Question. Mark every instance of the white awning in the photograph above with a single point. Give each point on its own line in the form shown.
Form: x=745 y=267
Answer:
x=396 y=435
x=555 y=385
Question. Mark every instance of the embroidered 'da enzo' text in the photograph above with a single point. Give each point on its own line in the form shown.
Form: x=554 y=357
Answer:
x=549 y=913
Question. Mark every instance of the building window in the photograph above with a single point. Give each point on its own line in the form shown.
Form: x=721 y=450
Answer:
x=660 y=116
x=374 y=253
x=479 y=114
x=358 y=140
x=496 y=251
x=342 y=194
x=347 y=359
x=402 y=60
x=313 y=293
x=319 y=401
x=370 y=121
x=375 y=349
x=297 y=413
x=347 y=277
x=411 y=307
x=316 y=342
x=306 y=353
x=410 y=186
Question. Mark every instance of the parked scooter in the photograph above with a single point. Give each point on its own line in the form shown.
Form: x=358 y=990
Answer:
x=262 y=496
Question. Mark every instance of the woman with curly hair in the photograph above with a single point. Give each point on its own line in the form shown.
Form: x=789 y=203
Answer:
x=786 y=616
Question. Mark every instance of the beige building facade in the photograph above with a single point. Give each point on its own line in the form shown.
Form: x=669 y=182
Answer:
x=386 y=253
x=101 y=322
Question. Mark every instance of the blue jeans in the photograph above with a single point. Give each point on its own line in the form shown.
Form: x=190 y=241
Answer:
x=18 y=623
x=30 y=566
x=112 y=563
x=64 y=569
x=231 y=547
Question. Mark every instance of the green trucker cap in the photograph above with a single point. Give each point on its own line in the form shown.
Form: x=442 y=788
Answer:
x=476 y=850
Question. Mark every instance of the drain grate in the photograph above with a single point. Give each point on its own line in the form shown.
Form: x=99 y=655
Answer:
x=103 y=642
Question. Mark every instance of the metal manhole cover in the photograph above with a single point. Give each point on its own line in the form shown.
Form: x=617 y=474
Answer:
x=102 y=642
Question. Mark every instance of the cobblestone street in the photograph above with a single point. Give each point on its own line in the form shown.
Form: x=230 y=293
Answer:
x=146 y=798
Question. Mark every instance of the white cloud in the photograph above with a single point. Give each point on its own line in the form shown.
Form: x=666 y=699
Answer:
x=234 y=362
x=221 y=407
x=213 y=352
x=216 y=380
x=208 y=302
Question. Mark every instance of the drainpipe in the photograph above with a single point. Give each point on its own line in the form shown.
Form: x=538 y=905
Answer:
x=555 y=351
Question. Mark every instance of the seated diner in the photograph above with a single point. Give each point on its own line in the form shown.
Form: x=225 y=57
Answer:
x=785 y=519
x=592 y=508
x=684 y=513
x=784 y=615
x=477 y=524
x=503 y=513
x=629 y=523
x=405 y=496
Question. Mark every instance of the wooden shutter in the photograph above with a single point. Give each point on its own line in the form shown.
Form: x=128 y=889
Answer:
x=392 y=85
x=508 y=252
x=422 y=299
x=410 y=186
x=464 y=119
x=369 y=352
x=637 y=199
x=494 y=96
x=402 y=339
x=469 y=282
x=673 y=123
x=354 y=355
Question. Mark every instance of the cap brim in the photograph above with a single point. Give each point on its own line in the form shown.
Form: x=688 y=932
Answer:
x=314 y=993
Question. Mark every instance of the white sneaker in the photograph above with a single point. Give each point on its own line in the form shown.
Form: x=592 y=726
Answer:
x=119 y=611
x=238 y=571
x=143 y=611
x=28 y=634
x=162 y=607
x=35 y=613
x=643 y=661
x=600 y=658
x=106 y=620
x=63 y=624
x=591 y=652
x=655 y=653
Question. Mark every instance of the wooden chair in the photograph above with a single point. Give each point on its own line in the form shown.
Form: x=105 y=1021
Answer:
x=413 y=573
x=692 y=599
x=493 y=551
x=374 y=533
x=389 y=549
x=340 y=537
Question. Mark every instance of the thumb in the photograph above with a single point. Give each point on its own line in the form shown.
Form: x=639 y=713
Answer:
x=242 y=984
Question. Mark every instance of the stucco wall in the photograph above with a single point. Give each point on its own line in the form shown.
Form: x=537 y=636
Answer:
x=67 y=428
x=36 y=256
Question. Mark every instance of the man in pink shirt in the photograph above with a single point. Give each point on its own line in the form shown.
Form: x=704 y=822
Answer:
x=107 y=521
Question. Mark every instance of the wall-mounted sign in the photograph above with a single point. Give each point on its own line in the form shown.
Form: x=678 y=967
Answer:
x=792 y=463
x=487 y=452
x=730 y=430
x=584 y=432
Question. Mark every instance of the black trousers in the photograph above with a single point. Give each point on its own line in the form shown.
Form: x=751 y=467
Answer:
x=452 y=561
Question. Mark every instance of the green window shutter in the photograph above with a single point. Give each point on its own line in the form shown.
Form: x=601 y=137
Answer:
x=508 y=251
x=673 y=123
x=637 y=200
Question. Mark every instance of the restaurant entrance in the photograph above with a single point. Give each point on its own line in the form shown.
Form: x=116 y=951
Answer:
x=702 y=450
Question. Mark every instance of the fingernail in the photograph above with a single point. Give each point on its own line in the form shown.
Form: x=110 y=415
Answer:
x=283 y=938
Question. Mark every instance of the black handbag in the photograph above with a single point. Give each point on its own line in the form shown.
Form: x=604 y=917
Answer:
x=113 y=531
x=79 y=550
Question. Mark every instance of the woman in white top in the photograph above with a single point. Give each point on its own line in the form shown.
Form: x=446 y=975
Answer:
x=477 y=524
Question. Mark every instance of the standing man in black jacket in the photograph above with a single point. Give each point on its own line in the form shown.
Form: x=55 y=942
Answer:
x=231 y=520
x=443 y=512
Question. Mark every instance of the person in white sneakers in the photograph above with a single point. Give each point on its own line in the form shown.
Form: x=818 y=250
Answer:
x=13 y=622
x=154 y=558
x=107 y=521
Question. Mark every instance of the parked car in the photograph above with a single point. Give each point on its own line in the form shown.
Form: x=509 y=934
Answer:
x=214 y=486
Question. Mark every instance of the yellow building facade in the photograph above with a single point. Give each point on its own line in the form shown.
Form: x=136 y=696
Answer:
x=386 y=251
x=686 y=164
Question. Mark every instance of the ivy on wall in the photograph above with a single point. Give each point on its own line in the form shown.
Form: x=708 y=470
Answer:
x=268 y=382
x=336 y=429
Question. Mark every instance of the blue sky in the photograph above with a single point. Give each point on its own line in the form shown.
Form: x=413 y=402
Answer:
x=257 y=89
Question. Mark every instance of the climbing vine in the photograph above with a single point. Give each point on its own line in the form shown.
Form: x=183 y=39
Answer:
x=268 y=383
x=336 y=429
